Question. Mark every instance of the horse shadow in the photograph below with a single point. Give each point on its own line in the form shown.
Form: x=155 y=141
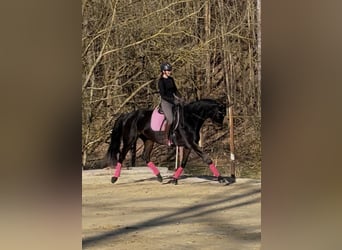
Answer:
x=205 y=178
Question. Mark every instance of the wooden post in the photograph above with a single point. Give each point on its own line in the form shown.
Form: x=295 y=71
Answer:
x=180 y=158
x=176 y=160
x=231 y=142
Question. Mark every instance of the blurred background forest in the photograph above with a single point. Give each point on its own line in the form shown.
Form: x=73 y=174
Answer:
x=214 y=48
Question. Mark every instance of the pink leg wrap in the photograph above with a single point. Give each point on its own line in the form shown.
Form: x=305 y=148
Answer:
x=153 y=167
x=117 y=169
x=214 y=170
x=178 y=172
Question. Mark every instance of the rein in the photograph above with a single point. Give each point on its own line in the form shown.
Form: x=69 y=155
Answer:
x=177 y=116
x=199 y=117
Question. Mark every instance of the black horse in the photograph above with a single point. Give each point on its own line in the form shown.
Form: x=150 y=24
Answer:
x=131 y=126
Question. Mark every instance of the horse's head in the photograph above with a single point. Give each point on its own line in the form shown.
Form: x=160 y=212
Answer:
x=206 y=109
x=218 y=113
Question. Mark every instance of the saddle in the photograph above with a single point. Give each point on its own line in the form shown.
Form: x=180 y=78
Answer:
x=158 y=119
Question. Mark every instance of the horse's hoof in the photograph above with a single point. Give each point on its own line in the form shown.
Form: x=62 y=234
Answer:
x=173 y=181
x=220 y=179
x=114 y=179
x=159 y=178
x=226 y=180
x=231 y=179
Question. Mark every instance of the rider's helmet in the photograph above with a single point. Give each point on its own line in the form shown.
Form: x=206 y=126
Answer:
x=166 y=67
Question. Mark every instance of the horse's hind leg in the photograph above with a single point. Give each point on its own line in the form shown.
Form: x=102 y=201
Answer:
x=127 y=145
x=148 y=146
x=179 y=170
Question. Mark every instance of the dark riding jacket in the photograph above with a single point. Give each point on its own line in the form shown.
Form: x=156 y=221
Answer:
x=167 y=88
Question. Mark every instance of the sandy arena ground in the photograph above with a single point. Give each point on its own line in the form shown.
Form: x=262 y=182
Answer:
x=138 y=212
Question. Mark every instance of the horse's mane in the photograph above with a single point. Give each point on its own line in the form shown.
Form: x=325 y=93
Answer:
x=204 y=100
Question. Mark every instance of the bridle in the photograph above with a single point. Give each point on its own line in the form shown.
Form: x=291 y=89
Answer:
x=219 y=112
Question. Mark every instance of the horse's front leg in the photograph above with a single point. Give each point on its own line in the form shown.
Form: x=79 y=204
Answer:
x=211 y=165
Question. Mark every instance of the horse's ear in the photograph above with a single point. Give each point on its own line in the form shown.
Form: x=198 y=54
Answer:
x=223 y=101
x=223 y=104
x=226 y=103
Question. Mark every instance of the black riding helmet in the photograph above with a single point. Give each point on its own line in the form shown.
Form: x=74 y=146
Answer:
x=166 y=67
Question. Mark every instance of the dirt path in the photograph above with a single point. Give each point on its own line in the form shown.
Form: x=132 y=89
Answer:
x=140 y=213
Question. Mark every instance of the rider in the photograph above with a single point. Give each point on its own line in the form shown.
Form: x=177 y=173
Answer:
x=169 y=94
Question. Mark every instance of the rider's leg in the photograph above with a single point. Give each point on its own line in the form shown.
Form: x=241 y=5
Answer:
x=167 y=133
x=167 y=109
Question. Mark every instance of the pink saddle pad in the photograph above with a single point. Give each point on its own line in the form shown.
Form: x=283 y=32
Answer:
x=157 y=121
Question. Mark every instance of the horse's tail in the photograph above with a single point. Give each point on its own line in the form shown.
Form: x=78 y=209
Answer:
x=115 y=141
